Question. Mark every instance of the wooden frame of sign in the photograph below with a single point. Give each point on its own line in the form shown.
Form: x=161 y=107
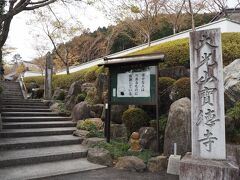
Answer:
x=132 y=80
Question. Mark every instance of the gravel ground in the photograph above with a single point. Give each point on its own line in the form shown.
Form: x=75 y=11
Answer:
x=114 y=174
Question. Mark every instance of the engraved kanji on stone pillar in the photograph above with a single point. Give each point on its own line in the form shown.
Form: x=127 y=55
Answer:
x=207 y=95
x=48 y=77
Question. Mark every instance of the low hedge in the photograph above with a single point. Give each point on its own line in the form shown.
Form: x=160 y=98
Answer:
x=177 y=52
x=64 y=81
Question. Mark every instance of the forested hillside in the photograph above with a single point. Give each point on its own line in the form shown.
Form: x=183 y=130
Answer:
x=107 y=40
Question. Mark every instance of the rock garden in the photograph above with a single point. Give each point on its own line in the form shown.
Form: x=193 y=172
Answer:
x=83 y=94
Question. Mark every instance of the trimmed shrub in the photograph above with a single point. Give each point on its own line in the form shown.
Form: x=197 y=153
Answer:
x=61 y=96
x=233 y=124
x=88 y=125
x=134 y=119
x=180 y=89
x=81 y=97
x=234 y=113
x=165 y=86
x=177 y=52
x=65 y=81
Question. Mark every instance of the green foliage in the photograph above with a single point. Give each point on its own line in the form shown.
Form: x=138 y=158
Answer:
x=134 y=119
x=177 y=52
x=91 y=127
x=81 y=97
x=61 y=96
x=181 y=88
x=234 y=113
x=90 y=75
x=86 y=125
x=62 y=109
x=65 y=81
x=165 y=86
x=118 y=149
x=91 y=96
x=39 y=80
x=162 y=125
x=233 y=124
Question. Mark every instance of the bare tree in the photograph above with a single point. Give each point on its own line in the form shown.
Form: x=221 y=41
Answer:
x=12 y=8
x=57 y=30
x=139 y=15
x=174 y=9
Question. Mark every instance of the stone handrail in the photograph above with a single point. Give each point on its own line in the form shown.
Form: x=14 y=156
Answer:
x=23 y=86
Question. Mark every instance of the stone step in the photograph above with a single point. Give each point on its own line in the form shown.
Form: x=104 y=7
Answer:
x=47 y=169
x=27 y=114
x=11 y=96
x=11 y=89
x=22 y=100
x=35 y=119
x=47 y=124
x=39 y=155
x=25 y=106
x=38 y=141
x=9 y=133
x=12 y=93
x=23 y=103
x=24 y=110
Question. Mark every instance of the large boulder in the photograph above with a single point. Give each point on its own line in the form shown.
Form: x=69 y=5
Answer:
x=232 y=83
x=74 y=90
x=81 y=111
x=60 y=108
x=90 y=142
x=59 y=94
x=101 y=85
x=147 y=136
x=131 y=163
x=116 y=113
x=119 y=132
x=178 y=129
x=81 y=133
x=96 y=110
x=87 y=87
x=157 y=164
x=100 y=156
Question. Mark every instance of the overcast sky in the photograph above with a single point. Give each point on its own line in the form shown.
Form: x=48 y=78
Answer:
x=21 y=38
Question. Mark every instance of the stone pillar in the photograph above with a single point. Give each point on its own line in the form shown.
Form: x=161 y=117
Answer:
x=208 y=159
x=48 y=77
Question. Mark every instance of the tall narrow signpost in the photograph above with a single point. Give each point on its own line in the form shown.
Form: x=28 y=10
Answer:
x=208 y=157
x=133 y=80
x=48 y=77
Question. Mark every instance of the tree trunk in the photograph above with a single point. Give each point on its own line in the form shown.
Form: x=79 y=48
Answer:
x=67 y=68
x=149 y=39
x=191 y=11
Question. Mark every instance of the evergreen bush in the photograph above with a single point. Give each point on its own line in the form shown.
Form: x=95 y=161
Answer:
x=181 y=88
x=134 y=119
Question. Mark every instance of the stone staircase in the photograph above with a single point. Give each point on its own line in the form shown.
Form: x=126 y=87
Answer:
x=35 y=142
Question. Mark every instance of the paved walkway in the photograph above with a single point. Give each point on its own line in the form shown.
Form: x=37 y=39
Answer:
x=115 y=174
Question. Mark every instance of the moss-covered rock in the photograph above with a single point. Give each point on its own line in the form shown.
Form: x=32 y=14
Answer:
x=180 y=89
x=134 y=119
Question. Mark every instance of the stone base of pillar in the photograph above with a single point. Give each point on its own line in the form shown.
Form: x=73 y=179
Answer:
x=205 y=169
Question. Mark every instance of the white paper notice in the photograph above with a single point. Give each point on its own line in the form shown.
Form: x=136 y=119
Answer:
x=133 y=84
